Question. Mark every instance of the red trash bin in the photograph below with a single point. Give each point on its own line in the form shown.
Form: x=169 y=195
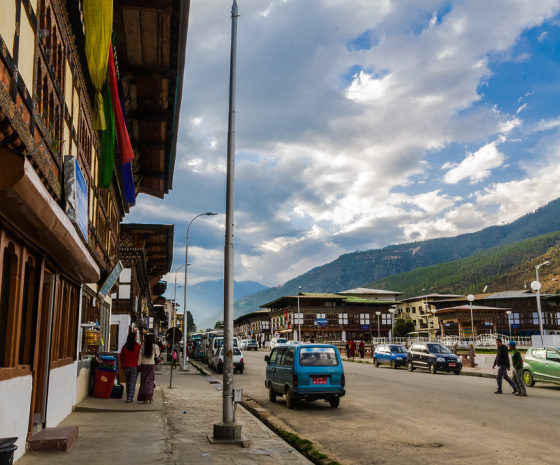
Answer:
x=103 y=384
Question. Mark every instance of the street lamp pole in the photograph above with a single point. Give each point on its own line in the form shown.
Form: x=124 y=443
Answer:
x=185 y=366
x=299 y=315
x=470 y=298
x=173 y=335
x=536 y=286
x=392 y=311
x=509 y=321
x=378 y=330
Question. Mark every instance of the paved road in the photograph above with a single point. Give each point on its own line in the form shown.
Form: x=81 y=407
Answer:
x=394 y=417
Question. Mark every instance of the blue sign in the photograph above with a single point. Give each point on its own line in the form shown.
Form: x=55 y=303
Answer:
x=516 y=326
x=321 y=322
x=365 y=326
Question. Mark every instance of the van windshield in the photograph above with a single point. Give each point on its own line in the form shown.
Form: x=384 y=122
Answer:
x=318 y=356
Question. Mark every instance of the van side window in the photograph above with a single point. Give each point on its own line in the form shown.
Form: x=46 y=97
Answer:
x=273 y=356
x=289 y=359
x=281 y=356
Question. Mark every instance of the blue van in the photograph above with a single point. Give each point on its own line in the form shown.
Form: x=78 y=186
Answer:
x=305 y=372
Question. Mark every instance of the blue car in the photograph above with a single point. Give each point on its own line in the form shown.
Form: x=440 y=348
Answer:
x=390 y=354
x=305 y=372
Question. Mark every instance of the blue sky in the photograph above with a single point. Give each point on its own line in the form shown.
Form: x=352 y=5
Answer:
x=360 y=124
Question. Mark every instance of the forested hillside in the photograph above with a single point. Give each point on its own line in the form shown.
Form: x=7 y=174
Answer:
x=508 y=267
x=359 y=268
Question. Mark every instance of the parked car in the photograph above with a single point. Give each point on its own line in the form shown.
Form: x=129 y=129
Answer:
x=434 y=357
x=305 y=372
x=252 y=345
x=238 y=364
x=390 y=354
x=294 y=343
x=275 y=341
x=217 y=344
x=541 y=364
x=243 y=344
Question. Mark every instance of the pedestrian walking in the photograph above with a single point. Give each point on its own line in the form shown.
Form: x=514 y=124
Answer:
x=174 y=362
x=517 y=372
x=129 y=363
x=362 y=349
x=347 y=347
x=146 y=358
x=352 y=346
x=502 y=362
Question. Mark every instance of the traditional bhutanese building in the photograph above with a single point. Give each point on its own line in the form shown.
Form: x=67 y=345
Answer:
x=90 y=92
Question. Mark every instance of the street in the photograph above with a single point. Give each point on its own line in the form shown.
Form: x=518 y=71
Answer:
x=393 y=416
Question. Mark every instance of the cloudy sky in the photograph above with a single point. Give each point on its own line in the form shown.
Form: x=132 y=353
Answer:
x=360 y=124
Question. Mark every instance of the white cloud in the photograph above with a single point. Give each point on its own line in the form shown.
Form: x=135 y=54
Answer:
x=476 y=166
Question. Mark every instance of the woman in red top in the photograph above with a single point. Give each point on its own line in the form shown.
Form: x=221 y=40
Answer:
x=129 y=363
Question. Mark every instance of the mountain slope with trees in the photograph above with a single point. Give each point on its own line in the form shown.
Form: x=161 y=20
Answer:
x=358 y=268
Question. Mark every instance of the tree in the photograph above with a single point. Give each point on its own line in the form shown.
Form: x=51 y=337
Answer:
x=191 y=327
x=219 y=325
x=403 y=327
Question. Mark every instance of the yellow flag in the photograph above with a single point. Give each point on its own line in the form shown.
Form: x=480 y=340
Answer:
x=98 y=20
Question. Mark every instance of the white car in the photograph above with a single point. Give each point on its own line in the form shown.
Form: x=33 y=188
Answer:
x=294 y=343
x=276 y=341
x=238 y=364
x=243 y=344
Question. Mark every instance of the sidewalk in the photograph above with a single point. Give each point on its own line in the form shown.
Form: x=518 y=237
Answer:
x=174 y=429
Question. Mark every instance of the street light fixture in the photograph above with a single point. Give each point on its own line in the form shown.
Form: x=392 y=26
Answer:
x=299 y=315
x=378 y=330
x=470 y=298
x=536 y=286
x=185 y=366
x=509 y=321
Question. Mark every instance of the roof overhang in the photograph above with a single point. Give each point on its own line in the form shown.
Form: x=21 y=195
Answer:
x=29 y=206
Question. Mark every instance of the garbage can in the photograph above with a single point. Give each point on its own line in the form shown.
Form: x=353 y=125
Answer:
x=7 y=448
x=103 y=384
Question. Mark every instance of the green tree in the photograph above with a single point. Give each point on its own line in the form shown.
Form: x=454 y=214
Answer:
x=403 y=327
x=191 y=327
x=219 y=325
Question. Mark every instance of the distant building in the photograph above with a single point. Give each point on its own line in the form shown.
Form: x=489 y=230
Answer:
x=255 y=325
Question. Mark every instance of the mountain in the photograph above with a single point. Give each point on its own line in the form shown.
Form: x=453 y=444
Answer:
x=503 y=268
x=207 y=298
x=358 y=268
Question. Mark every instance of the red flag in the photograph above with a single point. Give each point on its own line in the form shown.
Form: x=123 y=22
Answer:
x=287 y=320
x=125 y=148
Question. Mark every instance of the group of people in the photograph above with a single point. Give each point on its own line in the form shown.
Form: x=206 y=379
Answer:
x=140 y=358
x=502 y=362
x=351 y=349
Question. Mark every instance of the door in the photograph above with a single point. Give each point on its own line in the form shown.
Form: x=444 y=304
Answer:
x=271 y=366
x=551 y=371
x=277 y=374
x=537 y=364
x=41 y=366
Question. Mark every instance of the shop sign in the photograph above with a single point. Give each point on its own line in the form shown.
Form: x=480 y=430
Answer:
x=76 y=195
x=321 y=322
x=515 y=326
x=365 y=327
x=111 y=279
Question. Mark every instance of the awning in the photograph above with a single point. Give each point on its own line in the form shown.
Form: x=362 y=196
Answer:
x=25 y=203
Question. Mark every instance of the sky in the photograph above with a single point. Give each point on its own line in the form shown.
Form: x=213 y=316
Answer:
x=359 y=124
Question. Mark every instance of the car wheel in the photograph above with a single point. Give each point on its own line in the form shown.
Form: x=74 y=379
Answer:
x=271 y=393
x=433 y=370
x=528 y=378
x=409 y=366
x=335 y=402
x=290 y=399
x=457 y=372
x=375 y=362
x=393 y=364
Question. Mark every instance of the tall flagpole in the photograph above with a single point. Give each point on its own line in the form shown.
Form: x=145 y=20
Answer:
x=228 y=429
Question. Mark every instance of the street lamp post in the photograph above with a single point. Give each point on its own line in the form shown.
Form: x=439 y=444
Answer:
x=173 y=335
x=392 y=311
x=509 y=321
x=427 y=319
x=434 y=310
x=536 y=286
x=185 y=366
x=470 y=298
x=378 y=330
x=299 y=316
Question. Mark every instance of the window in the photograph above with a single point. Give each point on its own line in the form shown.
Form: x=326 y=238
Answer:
x=298 y=318
x=343 y=318
x=413 y=309
x=289 y=358
x=321 y=315
x=538 y=353
x=317 y=356
x=8 y=301
x=386 y=319
x=535 y=318
x=514 y=318
x=364 y=318
x=552 y=355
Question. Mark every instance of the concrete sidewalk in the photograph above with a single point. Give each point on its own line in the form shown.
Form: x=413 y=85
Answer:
x=174 y=429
